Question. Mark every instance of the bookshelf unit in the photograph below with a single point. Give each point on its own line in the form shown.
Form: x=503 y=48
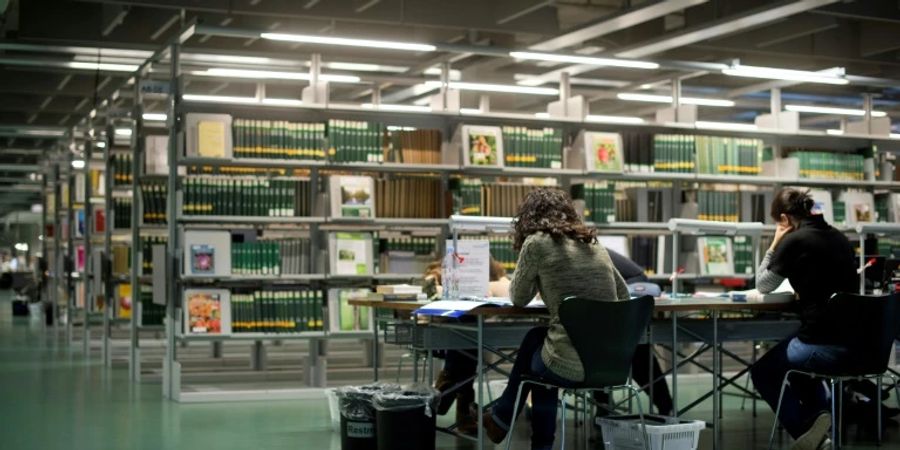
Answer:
x=318 y=223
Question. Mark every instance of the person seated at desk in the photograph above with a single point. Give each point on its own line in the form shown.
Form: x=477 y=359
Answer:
x=458 y=365
x=662 y=399
x=818 y=261
x=559 y=257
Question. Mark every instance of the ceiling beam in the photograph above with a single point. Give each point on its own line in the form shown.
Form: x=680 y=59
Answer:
x=722 y=27
x=624 y=19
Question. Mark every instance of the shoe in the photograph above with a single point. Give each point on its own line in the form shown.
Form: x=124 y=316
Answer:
x=493 y=431
x=466 y=422
x=816 y=434
x=443 y=384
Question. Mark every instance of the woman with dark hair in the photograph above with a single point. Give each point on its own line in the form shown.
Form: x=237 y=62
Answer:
x=818 y=261
x=559 y=257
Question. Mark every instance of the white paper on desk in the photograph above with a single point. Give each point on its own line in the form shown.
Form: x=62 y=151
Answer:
x=783 y=293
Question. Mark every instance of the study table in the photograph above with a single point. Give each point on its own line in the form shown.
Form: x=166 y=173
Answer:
x=509 y=325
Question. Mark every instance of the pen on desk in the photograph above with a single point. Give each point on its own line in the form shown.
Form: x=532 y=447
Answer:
x=869 y=263
x=677 y=272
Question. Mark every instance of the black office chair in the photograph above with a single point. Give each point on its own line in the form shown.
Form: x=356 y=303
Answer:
x=868 y=325
x=605 y=334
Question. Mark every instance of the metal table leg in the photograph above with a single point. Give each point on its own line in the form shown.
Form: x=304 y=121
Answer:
x=480 y=381
x=674 y=364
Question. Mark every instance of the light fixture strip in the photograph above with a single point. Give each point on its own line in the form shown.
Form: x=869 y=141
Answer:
x=829 y=76
x=832 y=110
x=349 y=42
x=587 y=60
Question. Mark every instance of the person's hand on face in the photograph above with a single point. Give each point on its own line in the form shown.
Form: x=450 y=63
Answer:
x=782 y=228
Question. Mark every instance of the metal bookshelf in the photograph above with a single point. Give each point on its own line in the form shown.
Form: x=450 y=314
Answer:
x=445 y=120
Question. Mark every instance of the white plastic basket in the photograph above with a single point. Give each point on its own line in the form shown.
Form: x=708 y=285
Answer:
x=334 y=409
x=663 y=433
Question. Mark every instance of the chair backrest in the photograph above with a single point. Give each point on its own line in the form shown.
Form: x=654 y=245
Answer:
x=868 y=325
x=605 y=335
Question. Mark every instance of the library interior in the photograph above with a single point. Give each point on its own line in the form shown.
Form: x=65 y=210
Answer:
x=467 y=224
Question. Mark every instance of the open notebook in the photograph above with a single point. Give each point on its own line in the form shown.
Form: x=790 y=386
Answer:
x=456 y=308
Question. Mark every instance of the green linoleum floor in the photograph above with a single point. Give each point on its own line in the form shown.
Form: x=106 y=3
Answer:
x=52 y=397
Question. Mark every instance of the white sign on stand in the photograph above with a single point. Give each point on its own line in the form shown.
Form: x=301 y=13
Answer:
x=466 y=269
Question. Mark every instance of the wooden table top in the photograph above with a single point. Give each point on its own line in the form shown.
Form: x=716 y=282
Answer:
x=662 y=305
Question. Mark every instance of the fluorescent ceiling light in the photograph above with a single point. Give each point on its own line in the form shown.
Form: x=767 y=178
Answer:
x=469 y=111
x=830 y=76
x=397 y=128
x=588 y=60
x=328 y=40
x=235 y=59
x=100 y=144
x=102 y=66
x=218 y=99
x=535 y=80
x=613 y=119
x=542 y=115
x=631 y=96
x=270 y=75
x=123 y=131
x=895 y=135
x=78 y=164
x=832 y=110
x=505 y=88
x=282 y=102
x=40 y=132
x=834 y=132
x=731 y=126
x=157 y=117
x=390 y=107
x=361 y=67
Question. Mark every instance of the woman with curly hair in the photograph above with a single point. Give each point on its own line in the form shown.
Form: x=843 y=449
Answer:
x=559 y=257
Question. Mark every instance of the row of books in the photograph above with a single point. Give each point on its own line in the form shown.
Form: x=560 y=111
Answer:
x=502 y=199
x=121 y=213
x=277 y=311
x=408 y=197
x=419 y=245
x=278 y=139
x=121 y=259
x=232 y=196
x=674 y=153
x=532 y=147
x=467 y=196
x=121 y=169
x=728 y=156
x=355 y=141
x=147 y=243
x=599 y=201
x=830 y=165
x=743 y=255
x=502 y=251
x=153 y=200
x=152 y=314
x=719 y=206
x=416 y=146
x=254 y=258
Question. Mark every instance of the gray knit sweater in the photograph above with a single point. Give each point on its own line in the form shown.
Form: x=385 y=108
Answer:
x=559 y=269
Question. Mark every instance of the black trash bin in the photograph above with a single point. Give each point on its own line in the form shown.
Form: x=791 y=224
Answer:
x=406 y=420
x=358 y=416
